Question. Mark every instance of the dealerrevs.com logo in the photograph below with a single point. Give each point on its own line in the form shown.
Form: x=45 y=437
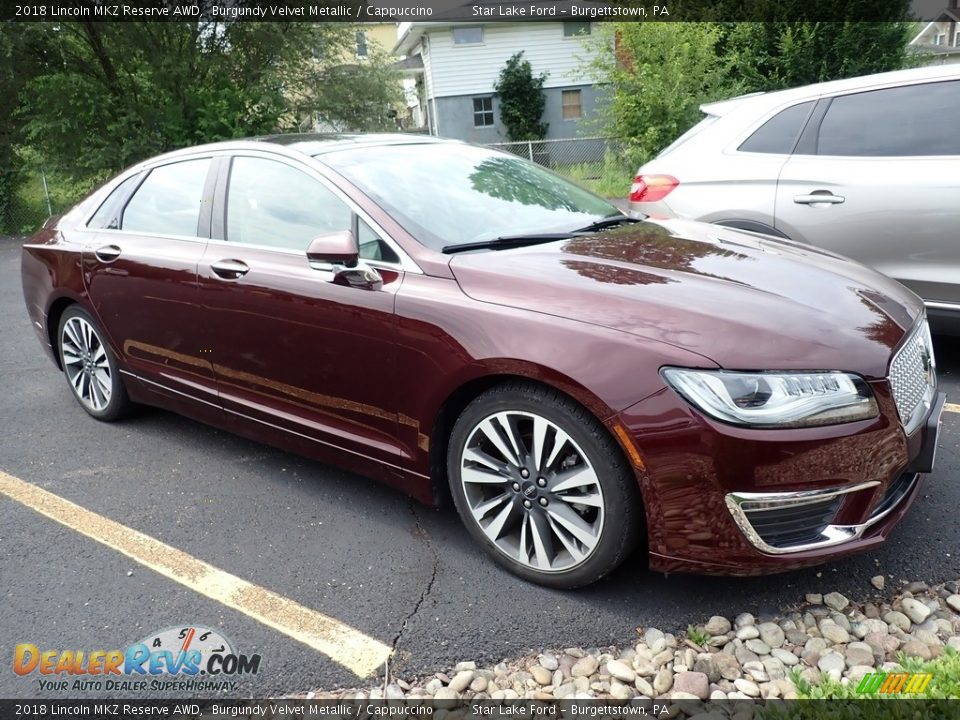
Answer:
x=184 y=659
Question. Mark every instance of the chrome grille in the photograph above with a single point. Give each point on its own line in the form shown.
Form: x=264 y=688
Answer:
x=913 y=378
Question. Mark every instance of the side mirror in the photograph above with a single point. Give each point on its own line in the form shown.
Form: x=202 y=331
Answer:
x=338 y=248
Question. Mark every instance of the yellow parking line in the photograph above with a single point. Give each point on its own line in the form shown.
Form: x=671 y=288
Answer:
x=952 y=407
x=359 y=653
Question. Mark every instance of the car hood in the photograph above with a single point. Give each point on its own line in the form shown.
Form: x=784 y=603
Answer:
x=744 y=301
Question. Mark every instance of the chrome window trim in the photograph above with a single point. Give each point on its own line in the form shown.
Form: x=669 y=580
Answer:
x=406 y=264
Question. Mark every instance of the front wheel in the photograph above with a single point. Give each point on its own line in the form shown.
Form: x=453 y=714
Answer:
x=542 y=486
x=90 y=367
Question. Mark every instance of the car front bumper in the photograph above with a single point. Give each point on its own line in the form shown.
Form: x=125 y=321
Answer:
x=728 y=500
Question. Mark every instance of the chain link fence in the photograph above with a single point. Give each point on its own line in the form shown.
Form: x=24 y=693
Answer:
x=600 y=164
x=32 y=201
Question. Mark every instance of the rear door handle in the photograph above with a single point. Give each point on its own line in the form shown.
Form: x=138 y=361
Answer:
x=820 y=197
x=230 y=269
x=107 y=253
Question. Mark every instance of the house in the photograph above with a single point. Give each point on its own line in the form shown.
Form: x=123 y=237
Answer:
x=940 y=39
x=451 y=70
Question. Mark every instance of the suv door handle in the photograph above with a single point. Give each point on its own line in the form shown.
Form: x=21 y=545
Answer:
x=824 y=197
x=107 y=253
x=230 y=269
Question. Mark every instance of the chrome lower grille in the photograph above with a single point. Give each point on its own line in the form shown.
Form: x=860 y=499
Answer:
x=913 y=378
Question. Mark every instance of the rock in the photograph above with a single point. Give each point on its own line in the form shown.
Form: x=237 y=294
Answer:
x=841 y=620
x=858 y=653
x=706 y=664
x=882 y=643
x=878 y=581
x=651 y=636
x=542 y=676
x=565 y=690
x=479 y=684
x=916 y=587
x=771 y=634
x=744 y=655
x=663 y=681
x=954 y=642
x=695 y=683
x=797 y=637
x=954 y=603
x=897 y=619
x=755 y=671
x=574 y=652
x=433 y=685
x=620 y=691
x=727 y=665
x=585 y=667
x=717 y=625
x=775 y=669
x=915 y=648
x=644 y=687
x=926 y=637
x=747 y=687
x=621 y=671
x=785 y=656
x=865 y=627
x=394 y=692
x=816 y=644
x=550 y=662
x=466 y=665
x=915 y=610
x=835 y=601
x=833 y=664
x=857 y=672
x=834 y=633
x=446 y=698
x=814 y=598
x=461 y=681
x=757 y=646
x=748 y=632
x=744 y=619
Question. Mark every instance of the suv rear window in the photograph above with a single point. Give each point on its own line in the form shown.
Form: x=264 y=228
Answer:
x=779 y=134
x=915 y=120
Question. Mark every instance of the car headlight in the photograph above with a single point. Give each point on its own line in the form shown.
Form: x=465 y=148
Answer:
x=775 y=399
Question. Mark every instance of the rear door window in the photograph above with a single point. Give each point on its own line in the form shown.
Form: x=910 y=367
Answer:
x=779 y=134
x=910 y=121
x=168 y=202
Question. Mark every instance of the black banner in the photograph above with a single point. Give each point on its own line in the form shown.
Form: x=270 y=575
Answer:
x=470 y=10
x=411 y=709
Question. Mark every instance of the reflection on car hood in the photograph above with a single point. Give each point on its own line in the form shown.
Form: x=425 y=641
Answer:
x=743 y=300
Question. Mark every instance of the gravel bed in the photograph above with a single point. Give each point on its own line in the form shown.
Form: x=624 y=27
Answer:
x=738 y=658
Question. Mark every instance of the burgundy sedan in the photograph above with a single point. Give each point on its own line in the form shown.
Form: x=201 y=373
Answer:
x=456 y=321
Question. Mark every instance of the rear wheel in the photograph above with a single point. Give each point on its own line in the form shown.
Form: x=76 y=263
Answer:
x=539 y=482
x=90 y=367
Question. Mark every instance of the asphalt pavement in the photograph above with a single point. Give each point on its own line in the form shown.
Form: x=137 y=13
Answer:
x=339 y=544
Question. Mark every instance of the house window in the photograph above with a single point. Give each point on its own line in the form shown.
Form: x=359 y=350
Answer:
x=956 y=39
x=483 y=112
x=572 y=106
x=575 y=29
x=361 y=43
x=467 y=35
x=940 y=39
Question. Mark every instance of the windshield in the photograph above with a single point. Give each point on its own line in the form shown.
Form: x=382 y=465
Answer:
x=448 y=194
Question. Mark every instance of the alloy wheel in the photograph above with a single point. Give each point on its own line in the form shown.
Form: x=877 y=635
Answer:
x=532 y=491
x=85 y=363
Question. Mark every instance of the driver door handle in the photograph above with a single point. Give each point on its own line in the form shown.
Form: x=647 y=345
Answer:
x=107 y=253
x=230 y=269
x=820 y=197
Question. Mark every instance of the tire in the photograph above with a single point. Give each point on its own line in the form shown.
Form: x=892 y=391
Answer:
x=90 y=366
x=520 y=456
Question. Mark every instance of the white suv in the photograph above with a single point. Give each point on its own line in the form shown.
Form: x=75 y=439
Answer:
x=867 y=167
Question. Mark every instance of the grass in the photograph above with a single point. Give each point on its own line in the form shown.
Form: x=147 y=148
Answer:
x=609 y=178
x=698 y=636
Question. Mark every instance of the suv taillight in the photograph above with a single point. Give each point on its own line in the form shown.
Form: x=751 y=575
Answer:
x=650 y=188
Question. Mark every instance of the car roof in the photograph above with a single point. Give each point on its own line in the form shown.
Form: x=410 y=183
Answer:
x=309 y=144
x=864 y=82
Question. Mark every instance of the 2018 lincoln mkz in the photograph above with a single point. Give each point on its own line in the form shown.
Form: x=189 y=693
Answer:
x=453 y=320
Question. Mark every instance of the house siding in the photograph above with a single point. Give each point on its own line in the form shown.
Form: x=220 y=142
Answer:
x=473 y=69
x=455 y=116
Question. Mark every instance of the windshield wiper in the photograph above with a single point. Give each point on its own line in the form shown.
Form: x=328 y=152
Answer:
x=611 y=221
x=508 y=241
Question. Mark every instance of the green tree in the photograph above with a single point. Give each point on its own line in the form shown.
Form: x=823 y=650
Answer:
x=521 y=100
x=657 y=75
x=109 y=94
